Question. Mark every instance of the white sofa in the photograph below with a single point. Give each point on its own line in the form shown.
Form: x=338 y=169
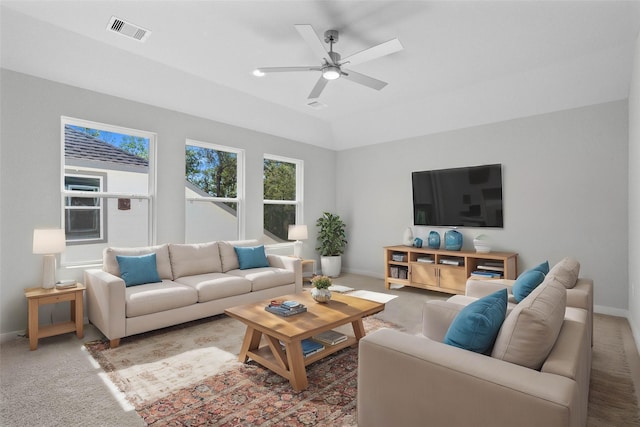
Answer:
x=537 y=373
x=197 y=281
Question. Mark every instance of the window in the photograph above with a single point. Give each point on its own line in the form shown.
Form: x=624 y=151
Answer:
x=214 y=192
x=84 y=217
x=282 y=196
x=107 y=179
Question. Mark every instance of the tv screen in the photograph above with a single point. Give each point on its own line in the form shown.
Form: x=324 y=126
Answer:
x=460 y=197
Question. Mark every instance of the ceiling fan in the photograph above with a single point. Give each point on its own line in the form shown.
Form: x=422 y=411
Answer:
x=332 y=62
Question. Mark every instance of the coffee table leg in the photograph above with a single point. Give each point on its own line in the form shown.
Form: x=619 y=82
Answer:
x=251 y=342
x=358 y=329
x=297 y=370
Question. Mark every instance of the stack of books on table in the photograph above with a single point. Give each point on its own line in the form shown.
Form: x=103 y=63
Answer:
x=330 y=337
x=286 y=308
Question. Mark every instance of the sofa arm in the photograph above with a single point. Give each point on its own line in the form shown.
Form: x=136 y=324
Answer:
x=106 y=305
x=406 y=380
x=437 y=316
x=290 y=263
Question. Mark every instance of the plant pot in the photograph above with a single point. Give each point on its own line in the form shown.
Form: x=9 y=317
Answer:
x=331 y=265
x=321 y=295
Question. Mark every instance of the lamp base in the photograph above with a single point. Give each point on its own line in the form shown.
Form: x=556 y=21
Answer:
x=297 y=249
x=49 y=271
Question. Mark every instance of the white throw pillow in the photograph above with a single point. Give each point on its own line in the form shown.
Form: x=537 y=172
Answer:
x=531 y=329
x=566 y=271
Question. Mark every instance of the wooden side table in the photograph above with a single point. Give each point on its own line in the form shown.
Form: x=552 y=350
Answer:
x=308 y=262
x=39 y=296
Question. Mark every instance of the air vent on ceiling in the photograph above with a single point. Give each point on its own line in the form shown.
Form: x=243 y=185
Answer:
x=128 y=29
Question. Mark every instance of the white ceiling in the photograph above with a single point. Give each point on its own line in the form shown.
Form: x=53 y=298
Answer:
x=463 y=63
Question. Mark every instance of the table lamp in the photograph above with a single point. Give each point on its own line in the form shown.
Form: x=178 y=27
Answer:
x=298 y=233
x=48 y=242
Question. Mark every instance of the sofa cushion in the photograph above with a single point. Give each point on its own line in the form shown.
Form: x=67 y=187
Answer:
x=228 y=253
x=566 y=272
x=110 y=264
x=251 y=257
x=266 y=277
x=525 y=284
x=157 y=297
x=138 y=270
x=192 y=259
x=531 y=329
x=476 y=326
x=212 y=286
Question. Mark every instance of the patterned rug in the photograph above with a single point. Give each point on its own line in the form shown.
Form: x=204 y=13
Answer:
x=189 y=375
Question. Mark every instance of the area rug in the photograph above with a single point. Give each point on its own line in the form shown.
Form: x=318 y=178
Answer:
x=189 y=375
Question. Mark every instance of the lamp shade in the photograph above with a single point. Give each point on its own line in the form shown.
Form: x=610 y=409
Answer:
x=298 y=232
x=48 y=241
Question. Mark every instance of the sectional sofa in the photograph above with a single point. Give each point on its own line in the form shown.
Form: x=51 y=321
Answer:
x=536 y=373
x=193 y=281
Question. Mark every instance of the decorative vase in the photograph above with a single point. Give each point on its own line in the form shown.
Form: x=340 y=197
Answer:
x=481 y=244
x=321 y=295
x=452 y=240
x=407 y=238
x=417 y=242
x=434 y=240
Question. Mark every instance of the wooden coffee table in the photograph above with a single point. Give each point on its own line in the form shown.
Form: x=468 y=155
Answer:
x=290 y=363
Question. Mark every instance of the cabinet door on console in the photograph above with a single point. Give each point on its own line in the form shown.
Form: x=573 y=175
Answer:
x=424 y=274
x=453 y=278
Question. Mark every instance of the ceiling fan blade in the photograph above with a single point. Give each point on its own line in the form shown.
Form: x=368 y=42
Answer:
x=318 y=88
x=374 y=52
x=309 y=35
x=265 y=70
x=364 y=80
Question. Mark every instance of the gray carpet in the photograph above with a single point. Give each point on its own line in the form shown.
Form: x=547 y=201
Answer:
x=60 y=385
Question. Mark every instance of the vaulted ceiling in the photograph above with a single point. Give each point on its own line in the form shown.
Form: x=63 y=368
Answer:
x=463 y=63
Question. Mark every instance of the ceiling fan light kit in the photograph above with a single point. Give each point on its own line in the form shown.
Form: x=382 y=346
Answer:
x=331 y=68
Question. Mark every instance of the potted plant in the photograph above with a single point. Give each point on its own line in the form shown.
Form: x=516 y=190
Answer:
x=331 y=243
x=320 y=291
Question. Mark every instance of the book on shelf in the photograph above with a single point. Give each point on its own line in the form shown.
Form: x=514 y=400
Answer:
x=491 y=267
x=286 y=308
x=309 y=347
x=450 y=262
x=330 y=337
x=427 y=260
x=486 y=274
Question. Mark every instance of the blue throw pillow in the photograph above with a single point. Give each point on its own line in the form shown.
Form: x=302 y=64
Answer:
x=251 y=257
x=138 y=270
x=476 y=327
x=543 y=268
x=526 y=283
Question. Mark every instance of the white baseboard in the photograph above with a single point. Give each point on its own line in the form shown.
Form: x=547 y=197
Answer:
x=611 y=311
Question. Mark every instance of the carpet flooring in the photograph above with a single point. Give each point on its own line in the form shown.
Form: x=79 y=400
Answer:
x=189 y=375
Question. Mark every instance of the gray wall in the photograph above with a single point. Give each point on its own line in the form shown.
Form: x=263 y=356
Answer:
x=564 y=187
x=634 y=197
x=30 y=156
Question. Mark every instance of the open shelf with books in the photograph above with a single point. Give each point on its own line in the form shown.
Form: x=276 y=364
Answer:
x=445 y=271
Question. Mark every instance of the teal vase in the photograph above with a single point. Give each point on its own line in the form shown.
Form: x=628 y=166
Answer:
x=433 y=241
x=453 y=240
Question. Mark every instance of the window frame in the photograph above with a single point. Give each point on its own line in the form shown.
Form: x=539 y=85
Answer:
x=299 y=197
x=105 y=194
x=239 y=200
x=101 y=207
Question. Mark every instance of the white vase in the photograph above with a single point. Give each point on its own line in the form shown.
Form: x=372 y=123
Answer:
x=407 y=238
x=321 y=295
x=331 y=265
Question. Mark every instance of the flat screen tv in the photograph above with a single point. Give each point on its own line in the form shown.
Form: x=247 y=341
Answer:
x=459 y=197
